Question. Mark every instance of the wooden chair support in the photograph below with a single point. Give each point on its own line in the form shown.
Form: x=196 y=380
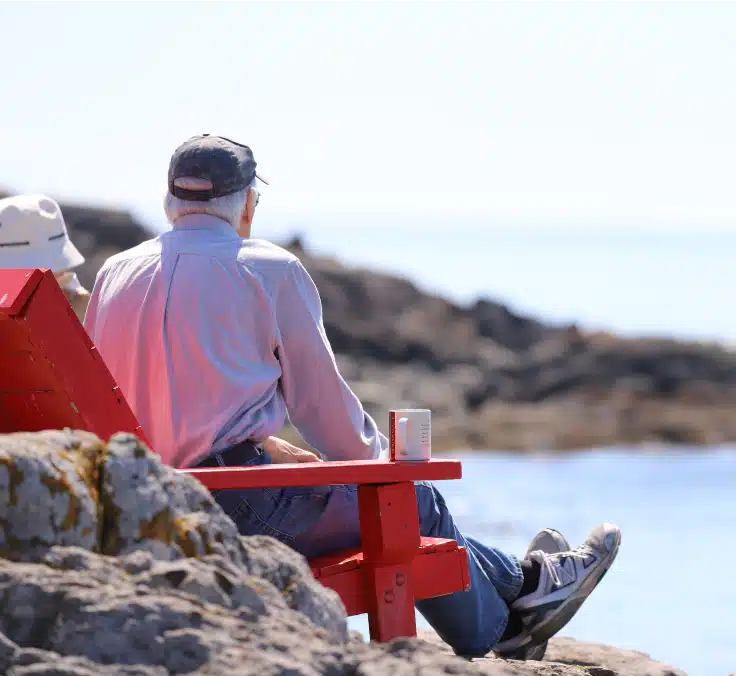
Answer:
x=51 y=377
x=396 y=566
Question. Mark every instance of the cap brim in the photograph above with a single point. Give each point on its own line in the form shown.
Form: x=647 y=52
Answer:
x=262 y=180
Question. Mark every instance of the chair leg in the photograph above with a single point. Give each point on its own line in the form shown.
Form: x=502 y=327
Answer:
x=389 y=526
x=390 y=602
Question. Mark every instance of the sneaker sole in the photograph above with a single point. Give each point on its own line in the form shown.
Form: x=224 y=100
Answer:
x=567 y=609
x=525 y=653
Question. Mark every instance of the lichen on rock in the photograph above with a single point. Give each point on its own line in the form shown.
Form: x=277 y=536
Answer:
x=149 y=506
x=48 y=492
x=68 y=489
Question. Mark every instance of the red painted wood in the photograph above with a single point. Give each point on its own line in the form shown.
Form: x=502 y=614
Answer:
x=389 y=528
x=351 y=590
x=52 y=375
x=389 y=523
x=326 y=474
x=441 y=568
x=395 y=567
x=390 y=601
x=338 y=563
x=351 y=559
x=441 y=572
x=16 y=287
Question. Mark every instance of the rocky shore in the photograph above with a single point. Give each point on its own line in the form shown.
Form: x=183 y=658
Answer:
x=113 y=564
x=494 y=379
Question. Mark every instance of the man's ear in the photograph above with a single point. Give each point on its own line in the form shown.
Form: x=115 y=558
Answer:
x=246 y=220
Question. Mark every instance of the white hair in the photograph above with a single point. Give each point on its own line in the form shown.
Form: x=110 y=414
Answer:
x=228 y=208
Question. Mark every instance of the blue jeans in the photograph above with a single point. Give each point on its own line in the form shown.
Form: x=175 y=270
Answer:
x=322 y=520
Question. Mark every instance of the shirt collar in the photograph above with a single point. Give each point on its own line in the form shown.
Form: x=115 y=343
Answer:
x=205 y=222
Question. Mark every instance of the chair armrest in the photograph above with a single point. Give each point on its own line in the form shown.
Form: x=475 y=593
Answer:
x=326 y=474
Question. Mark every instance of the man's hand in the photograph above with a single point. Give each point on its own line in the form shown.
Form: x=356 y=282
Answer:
x=283 y=452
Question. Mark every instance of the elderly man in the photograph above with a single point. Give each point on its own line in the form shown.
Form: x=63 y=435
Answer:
x=214 y=336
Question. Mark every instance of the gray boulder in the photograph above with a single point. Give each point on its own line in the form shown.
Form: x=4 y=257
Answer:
x=68 y=489
x=568 y=657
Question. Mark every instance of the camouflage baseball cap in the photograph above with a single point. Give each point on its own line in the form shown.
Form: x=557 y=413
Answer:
x=205 y=167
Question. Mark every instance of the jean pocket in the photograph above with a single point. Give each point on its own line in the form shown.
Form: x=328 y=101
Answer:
x=251 y=510
x=300 y=509
x=280 y=513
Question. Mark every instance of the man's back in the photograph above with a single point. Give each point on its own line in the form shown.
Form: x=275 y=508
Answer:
x=207 y=336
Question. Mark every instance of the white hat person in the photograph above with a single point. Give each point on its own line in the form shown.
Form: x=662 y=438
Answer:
x=33 y=235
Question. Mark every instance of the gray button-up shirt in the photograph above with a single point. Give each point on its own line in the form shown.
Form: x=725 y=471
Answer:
x=212 y=340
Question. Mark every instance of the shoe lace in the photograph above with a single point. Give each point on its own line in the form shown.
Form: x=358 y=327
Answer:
x=557 y=568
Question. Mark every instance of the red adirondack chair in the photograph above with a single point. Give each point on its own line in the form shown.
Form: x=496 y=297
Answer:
x=52 y=377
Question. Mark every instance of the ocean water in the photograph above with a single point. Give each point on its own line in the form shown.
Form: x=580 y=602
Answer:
x=671 y=591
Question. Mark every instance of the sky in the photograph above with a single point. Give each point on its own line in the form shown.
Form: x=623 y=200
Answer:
x=490 y=114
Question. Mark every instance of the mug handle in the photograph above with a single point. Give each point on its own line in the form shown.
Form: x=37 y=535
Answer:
x=402 y=435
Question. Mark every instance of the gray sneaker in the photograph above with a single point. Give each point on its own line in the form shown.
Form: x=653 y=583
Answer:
x=548 y=541
x=566 y=579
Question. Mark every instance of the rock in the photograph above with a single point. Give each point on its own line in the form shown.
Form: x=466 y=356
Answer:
x=171 y=515
x=178 y=615
x=128 y=567
x=629 y=662
x=568 y=657
x=69 y=489
x=487 y=372
x=48 y=493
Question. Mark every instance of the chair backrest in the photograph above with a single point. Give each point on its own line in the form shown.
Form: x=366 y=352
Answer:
x=51 y=375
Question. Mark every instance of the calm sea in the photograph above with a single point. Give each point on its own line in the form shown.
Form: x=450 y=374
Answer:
x=671 y=591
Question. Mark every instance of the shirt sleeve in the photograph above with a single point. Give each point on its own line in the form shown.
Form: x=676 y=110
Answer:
x=320 y=403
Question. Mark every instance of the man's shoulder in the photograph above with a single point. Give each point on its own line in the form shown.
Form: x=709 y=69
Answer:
x=261 y=250
x=149 y=248
x=262 y=256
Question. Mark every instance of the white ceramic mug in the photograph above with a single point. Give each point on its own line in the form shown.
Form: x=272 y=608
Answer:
x=410 y=435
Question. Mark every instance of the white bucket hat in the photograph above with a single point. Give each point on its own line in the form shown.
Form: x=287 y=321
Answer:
x=33 y=235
